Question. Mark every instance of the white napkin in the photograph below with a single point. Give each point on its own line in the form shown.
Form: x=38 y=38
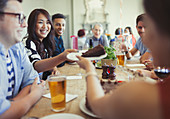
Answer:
x=73 y=77
x=135 y=65
x=69 y=97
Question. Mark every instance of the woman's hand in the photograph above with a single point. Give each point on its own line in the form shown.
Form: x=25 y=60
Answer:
x=66 y=52
x=55 y=71
x=85 y=64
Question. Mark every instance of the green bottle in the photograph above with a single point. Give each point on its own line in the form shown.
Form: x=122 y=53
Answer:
x=91 y=44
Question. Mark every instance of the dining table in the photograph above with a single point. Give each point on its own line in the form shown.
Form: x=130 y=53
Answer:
x=76 y=87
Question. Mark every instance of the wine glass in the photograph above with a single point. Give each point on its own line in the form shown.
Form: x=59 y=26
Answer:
x=162 y=72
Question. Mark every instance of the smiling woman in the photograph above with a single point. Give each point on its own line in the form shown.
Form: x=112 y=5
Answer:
x=40 y=43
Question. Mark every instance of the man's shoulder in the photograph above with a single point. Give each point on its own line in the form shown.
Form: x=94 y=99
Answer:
x=139 y=40
x=138 y=43
x=18 y=46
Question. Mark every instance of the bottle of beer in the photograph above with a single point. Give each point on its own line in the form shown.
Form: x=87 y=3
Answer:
x=91 y=44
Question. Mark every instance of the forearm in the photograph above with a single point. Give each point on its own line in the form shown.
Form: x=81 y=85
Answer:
x=94 y=89
x=130 y=53
x=25 y=91
x=144 y=57
x=20 y=107
x=49 y=63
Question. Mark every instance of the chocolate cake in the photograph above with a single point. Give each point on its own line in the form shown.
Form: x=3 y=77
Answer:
x=94 y=52
x=107 y=87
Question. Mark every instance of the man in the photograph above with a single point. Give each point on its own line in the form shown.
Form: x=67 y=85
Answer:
x=139 y=46
x=59 y=26
x=17 y=95
x=97 y=37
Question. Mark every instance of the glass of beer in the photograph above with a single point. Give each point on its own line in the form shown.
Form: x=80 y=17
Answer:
x=121 y=58
x=57 y=86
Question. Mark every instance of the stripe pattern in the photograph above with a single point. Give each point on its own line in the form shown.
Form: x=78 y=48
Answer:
x=11 y=77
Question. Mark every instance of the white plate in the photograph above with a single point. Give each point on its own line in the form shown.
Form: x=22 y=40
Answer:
x=72 y=56
x=63 y=116
x=85 y=110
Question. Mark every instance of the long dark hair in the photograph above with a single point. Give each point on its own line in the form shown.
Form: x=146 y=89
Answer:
x=130 y=30
x=48 y=42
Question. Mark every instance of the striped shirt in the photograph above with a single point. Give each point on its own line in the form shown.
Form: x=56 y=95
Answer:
x=34 y=56
x=11 y=77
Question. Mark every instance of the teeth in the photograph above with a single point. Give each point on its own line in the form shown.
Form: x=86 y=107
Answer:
x=43 y=31
x=60 y=31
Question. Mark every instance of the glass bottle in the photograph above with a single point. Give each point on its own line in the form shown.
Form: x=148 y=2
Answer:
x=91 y=44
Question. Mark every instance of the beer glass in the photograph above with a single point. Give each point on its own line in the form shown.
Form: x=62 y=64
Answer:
x=57 y=86
x=121 y=58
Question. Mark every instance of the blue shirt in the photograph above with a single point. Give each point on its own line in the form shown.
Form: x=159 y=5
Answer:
x=102 y=40
x=141 y=47
x=11 y=77
x=59 y=48
x=24 y=73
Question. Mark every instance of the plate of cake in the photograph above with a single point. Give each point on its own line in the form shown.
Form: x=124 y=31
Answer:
x=84 y=109
x=107 y=86
x=95 y=53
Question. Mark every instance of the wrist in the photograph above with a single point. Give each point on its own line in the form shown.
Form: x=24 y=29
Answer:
x=91 y=74
x=90 y=67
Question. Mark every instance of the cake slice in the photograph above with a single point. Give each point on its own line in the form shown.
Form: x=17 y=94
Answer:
x=107 y=86
x=94 y=52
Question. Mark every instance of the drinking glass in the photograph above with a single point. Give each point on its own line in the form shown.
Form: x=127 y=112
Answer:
x=121 y=58
x=57 y=85
x=162 y=72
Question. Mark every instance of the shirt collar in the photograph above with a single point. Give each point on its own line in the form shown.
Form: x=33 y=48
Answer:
x=95 y=39
x=59 y=38
x=2 y=49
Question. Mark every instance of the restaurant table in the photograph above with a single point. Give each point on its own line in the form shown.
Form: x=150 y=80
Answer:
x=75 y=86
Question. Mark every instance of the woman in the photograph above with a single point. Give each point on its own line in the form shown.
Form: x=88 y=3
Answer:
x=40 y=43
x=128 y=30
x=138 y=100
x=81 y=39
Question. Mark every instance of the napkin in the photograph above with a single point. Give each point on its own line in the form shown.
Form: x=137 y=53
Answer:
x=135 y=65
x=73 y=77
x=69 y=97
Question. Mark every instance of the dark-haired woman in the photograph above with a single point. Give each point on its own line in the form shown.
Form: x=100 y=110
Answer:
x=40 y=43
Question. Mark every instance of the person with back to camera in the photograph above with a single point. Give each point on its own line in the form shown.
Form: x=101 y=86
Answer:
x=97 y=37
x=19 y=88
x=137 y=99
x=81 y=39
x=40 y=43
x=139 y=46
